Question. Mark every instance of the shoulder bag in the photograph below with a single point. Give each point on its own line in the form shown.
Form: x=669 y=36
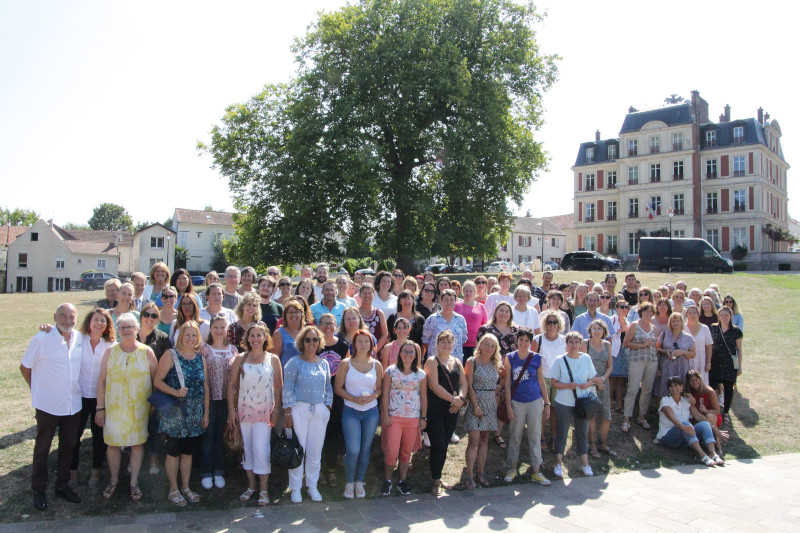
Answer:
x=587 y=406
x=167 y=404
x=734 y=357
x=454 y=389
x=286 y=451
x=502 y=408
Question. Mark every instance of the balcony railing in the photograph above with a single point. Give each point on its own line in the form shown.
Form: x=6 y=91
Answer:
x=655 y=149
x=655 y=179
x=588 y=219
x=633 y=181
x=738 y=173
x=611 y=216
x=633 y=214
x=676 y=211
x=738 y=140
x=677 y=177
x=711 y=210
x=711 y=143
x=612 y=185
x=633 y=152
x=711 y=175
x=677 y=146
x=589 y=187
x=738 y=208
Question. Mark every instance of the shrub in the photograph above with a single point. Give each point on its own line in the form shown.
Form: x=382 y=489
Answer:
x=740 y=266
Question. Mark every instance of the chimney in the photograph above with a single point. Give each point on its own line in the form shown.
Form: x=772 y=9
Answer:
x=761 y=115
x=766 y=117
x=727 y=113
x=632 y=109
x=597 y=136
x=722 y=117
x=50 y=222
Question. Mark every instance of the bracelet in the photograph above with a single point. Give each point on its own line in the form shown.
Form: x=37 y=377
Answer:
x=99 y=409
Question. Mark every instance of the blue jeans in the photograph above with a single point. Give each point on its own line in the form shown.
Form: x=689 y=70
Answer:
x=213 y=448
x=359 y=430
x=676 y=438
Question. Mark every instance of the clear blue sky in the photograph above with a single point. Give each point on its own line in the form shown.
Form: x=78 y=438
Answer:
x=104 y=101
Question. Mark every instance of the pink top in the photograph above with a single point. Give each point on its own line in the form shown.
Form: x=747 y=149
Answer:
x=475 y=316
x=394 y=351
x=218 y=365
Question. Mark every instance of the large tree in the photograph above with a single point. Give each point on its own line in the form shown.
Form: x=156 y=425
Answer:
x=110 y=217
x=18 y=217
x=409 y=126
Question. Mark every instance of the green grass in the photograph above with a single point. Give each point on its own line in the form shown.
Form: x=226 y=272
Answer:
x=764 y=421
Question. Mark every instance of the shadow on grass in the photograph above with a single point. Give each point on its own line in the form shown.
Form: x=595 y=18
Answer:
x=12 y=439
x=747 y=416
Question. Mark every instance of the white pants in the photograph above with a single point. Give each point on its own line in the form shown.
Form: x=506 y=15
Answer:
x=255 y=436
x=309 y=423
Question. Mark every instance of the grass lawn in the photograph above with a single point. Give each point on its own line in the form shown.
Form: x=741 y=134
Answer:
x=764 y=423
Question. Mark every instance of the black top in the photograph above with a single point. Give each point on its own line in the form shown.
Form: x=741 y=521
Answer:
x=159 y=342
x=631 y=297
x=270 y=313
x=417 y=323
x=434 y=402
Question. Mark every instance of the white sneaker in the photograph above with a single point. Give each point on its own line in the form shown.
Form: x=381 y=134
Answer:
x=558 y=471
x=296 y=496
x=349 y=491
x=426 y=441
x=360 y=492
x=219 y=482
x=587 y=471
x=314 y=494
x=454 y=439
x=207 y=483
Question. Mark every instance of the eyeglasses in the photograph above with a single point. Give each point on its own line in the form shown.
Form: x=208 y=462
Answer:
x=284 y=284
x=727 y=301
x=149 y=315
x=398 y=276
x=168 y=296
x=325 y=324
x=126 y=328
x=187 y=303
x=643 y=294
x=605 y=297
x=428 y=290
x=309 y=340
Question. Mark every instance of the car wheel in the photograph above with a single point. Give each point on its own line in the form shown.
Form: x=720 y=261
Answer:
x=568 y=266
x=90 y=287
x=606 y=268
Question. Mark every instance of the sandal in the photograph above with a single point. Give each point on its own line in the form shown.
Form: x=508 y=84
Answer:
x=436 y=489
x=246 y=495
x=719 y=461
x=136 y=494
x=175 y=498
x=333 y=481
x=263 y=498
x=643 y=422
x=470 y=483
x=109 y=491
x=626 y=427
x=594 y=453
x=708 y=461
x=190 y=496
x=500 y=442
x=445 y=485
x=482 y=480
x=606 y=450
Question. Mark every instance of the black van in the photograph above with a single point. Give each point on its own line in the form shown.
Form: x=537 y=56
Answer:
x=688 y=255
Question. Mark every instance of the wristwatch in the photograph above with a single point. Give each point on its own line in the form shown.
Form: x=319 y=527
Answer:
x=425 y=418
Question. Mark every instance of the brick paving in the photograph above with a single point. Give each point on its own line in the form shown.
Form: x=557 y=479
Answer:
x=747 y=495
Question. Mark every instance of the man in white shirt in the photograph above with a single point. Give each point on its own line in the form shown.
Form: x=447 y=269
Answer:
x=139 y=281
x=321 y=277
x=51 y=366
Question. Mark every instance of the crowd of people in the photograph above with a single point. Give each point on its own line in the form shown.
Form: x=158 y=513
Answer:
x=162 y=370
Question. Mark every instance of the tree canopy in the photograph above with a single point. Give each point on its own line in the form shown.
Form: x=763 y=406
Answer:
x=110 y=217
x=409 y=126
x=18 y=217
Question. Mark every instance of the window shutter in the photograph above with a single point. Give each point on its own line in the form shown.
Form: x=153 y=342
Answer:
x=599 y=179
x=580 y=213
x=725 y=193
x=580 y=181
x=726 y=240
x=599 y=209
x=751 y=199
x=519 y=240
x=723 y=163
x=66 y=284
x=752 y=237
x=751 y=163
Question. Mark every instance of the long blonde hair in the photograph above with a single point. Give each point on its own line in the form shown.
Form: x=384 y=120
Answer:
x=495 y=358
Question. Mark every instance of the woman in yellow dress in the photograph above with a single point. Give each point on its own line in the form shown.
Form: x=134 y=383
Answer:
x=125 y=383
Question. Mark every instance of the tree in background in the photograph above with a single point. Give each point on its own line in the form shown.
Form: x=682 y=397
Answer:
x=18 y=217
x=110 y=217
x=218 y=260
x=409 y=125
x=72 y=225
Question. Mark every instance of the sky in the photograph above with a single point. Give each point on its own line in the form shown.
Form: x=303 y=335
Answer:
x=105 y=101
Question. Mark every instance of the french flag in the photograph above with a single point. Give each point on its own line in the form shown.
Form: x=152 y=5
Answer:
x=651 y=210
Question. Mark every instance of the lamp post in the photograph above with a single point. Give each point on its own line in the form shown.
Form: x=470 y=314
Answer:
x=541 y=262
x=671 y=213
x=169 y=237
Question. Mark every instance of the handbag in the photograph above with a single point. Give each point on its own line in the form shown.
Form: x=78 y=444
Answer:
x=734 y=357
x=502 y=408
x=463 y=408
x=167 y=404
x=232 y=437
x=588 y=405
x=286 y=451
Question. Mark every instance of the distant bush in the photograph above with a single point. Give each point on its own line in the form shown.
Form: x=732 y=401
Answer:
x=740 y=266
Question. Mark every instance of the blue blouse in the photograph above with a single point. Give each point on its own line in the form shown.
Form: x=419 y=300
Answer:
x=307 y=382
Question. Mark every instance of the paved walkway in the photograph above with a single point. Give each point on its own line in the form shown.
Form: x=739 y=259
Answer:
x=758 y=495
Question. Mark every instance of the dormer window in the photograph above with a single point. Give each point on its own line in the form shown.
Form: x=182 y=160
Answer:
x=738 y=135
x=590 y=154
x=711 y=138
x=612 y=152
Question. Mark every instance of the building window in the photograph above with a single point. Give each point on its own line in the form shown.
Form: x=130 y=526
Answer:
x=655 y=172
x=712 y=236
x=678 y=203
x=711 y=168
x=589 y=213
x=554 y=242
x=157 y=242
x=101 y=264
x=633 y=147
x=633 y=208
x=712 y=205
x=711 y=138
x=679 y=233
x=154 y=260
x=59 y=263
x=588 y=243
x=739 y=200
x=738 y=135
x=34 y=237
x=677 y=141
x=611 y=247
x=524 y=241
x=655 y=145
x=740 y=237
x=633 y=175
x=738 y=166
x=633 y=244
x=22 y=261
x=612 y=179
x=612 y=152
x=589 y=182
x=655 y=205
x=612 y=210
x=504 y=247
x=677 y=170
x=523 y=258
x=590 y=154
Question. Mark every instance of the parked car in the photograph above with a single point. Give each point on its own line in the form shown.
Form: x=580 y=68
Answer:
x=550 y=265
x=435 y=268
x=502 y=266
x=95 y=280
x=688 y=255
x=467 y=268
x=525 y=265
x=366 y=272
x=198 y=280
x=589 y=260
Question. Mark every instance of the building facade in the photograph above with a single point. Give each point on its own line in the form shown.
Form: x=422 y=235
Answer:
x=724 y=182
x=196 y=231
x=532 y=239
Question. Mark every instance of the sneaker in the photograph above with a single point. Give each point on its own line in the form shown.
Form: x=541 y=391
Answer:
x=587 y=471
x=349 y=491
x=219 y=482
x=539 y=478
x=558 y=471
x=426 y=441
x=360 y=492
x=314 y=494
x=402 y=488
x=207 y=483
x=297 y=497
x=386 y=488
x=510 y=475
x=454 y=439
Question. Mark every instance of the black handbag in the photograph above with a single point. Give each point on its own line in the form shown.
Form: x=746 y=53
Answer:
x=587 y=406
x=286 y=451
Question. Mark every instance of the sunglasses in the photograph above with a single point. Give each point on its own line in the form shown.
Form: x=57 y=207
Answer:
x=481 y=282
x=398 y=276
x=644 y=294
x=605 y=297
x=168 y=297
x=284 y=284
x=551 y=322
x=428 y=290
x=309 y=340
x=623 y=307
x=149 y=315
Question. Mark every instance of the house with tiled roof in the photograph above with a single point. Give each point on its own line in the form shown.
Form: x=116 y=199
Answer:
x=531 y=239
x=196 y=231
x=8 y=234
